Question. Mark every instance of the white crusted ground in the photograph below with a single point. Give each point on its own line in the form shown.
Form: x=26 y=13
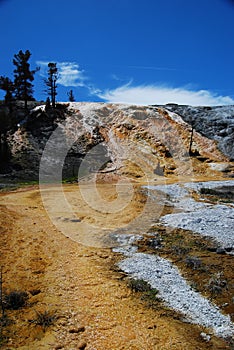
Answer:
x=210 y=220
x=175 y=291
x=216 y=221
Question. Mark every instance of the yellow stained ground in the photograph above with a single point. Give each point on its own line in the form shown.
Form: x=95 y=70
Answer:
x=76 y=278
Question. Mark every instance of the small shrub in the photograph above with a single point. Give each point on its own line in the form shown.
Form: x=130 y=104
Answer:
x=44 y=319
x=3 y=339
x=15 y=300
x=193 y=262
x=149 y=294
x=139 y=285
x=204 y=190
x=219 y=193
x=62 y=106
x=154 y=243
x=216 y=284
x=179 y=250
x=5 y=321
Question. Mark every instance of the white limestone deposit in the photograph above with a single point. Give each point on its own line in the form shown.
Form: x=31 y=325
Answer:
x=210 y=220
x=174 y=290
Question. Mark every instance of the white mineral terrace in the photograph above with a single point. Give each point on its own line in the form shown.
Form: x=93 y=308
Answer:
x=211 y=220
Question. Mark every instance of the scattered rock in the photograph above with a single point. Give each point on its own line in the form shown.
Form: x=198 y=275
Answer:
x=152 y=327
x=228 y=249
x=35 y=292
x=211 y=249
x=205 y=336
x=81 y=345
x=103 y=255
x=225 y=305
x=223 y=167
x=220 y=251
x=77 y=330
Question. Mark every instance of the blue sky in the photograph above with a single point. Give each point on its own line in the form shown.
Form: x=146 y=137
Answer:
x=131 y=51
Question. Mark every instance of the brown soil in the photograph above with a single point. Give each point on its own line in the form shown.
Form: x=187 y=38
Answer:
x=95 y=308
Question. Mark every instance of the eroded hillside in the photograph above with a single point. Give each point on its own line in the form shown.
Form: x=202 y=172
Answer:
x=141 y=142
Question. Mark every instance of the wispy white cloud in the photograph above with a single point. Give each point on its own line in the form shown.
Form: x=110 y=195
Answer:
x=70 y=73
x=43 y=67
x=153 y=68
x=115 y=77
x=93 y=90
x=121 y=80
x=152 y=94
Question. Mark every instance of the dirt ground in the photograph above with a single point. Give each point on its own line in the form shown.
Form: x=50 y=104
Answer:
x=95 y=308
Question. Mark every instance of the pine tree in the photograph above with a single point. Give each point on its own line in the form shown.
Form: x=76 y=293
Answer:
x=71 y=96
x=23 y=77
x=6 y=123
x=8 y=86
x=51 y=82
x=5 y=118
x=47 y=105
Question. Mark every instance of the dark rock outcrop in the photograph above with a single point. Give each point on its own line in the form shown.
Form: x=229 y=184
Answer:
x=216 y=123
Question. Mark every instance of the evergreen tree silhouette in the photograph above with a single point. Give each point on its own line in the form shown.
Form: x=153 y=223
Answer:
x=51 y=82
x=23 y=77
x=8 y=86
x=47 y=105
x=71 y=96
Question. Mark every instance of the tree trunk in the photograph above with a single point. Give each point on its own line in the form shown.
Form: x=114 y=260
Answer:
x=25 y=95
x=0 y=143
x=53 y=94
x=191 y=141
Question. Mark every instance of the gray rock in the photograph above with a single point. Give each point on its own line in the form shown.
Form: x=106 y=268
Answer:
x=213 y=122
x=220 y=251
x=205 y=336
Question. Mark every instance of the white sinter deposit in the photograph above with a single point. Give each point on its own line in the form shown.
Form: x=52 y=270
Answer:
x=174 y=290
x=215 y=221
x=210 y=220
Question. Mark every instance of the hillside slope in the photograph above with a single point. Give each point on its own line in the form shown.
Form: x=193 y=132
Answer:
x=141 y=142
